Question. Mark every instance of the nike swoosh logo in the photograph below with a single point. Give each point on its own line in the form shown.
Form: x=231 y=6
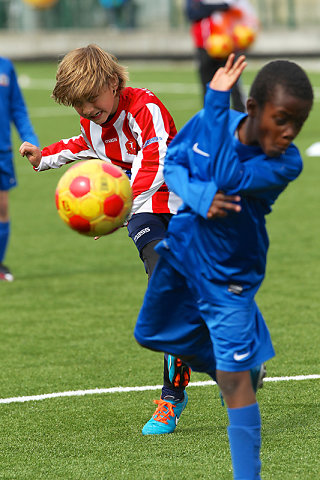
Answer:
x=196 y=149
x=241 y=356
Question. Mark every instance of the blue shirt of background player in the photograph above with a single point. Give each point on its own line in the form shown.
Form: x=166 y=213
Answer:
x=12 y=110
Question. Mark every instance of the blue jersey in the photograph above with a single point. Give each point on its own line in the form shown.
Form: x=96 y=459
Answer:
x=12 y=110
x=197 y=9
x=206 y=157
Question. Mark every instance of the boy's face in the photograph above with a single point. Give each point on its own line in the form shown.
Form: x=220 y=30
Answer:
x=98 y=108
x=276 y=125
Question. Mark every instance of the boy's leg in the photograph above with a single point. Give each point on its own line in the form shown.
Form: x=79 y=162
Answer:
x=169 y=320
x=241 y=340
x=7 y=181
x=244 y=428
x=176 y=374
x=5 y=274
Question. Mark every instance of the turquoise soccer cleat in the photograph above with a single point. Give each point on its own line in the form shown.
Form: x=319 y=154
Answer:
x=165 y=418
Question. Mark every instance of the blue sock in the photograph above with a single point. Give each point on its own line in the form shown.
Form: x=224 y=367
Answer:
x=4 y=237
x=245 y=439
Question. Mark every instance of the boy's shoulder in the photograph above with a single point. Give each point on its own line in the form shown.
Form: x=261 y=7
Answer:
x=235 y=118
x=6 y=72
x=137 y=98
x=6 y=62
x=193 y=129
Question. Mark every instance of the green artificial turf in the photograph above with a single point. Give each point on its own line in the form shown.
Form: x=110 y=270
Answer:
x=67 y=324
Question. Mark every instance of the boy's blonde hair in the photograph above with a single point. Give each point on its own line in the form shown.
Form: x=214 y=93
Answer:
x=84 y=72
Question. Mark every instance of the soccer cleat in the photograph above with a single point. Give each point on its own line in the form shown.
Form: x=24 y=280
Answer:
x=257 y=375
x=166 y=416
x=179 y=373
x=5 y=273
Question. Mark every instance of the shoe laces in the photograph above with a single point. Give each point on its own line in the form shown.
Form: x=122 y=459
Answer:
x=164 y=411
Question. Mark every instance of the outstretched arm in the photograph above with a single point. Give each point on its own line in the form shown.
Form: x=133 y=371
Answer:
x=58 y=153
x=223 y=80
x=201 y=158
x=225 y=77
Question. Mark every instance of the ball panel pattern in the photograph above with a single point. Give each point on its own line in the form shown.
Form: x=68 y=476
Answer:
x=94 y=197
x=112 y=206
x=112 y=170
x=80 y=186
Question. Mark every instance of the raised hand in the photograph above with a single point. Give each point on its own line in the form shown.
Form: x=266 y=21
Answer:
x=224 y=78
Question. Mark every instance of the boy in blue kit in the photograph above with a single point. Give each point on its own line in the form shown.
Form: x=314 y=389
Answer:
x=12 y=110
x=200 y=303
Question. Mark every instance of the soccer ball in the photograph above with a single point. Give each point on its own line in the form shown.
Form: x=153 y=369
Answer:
x=219 y=45
x=41 y=3
x=94 y=197
x=243 y=36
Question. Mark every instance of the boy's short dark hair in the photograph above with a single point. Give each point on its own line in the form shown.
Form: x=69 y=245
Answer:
x=282 y=73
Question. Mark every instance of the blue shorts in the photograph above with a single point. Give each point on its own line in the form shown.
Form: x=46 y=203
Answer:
x=230 y=336
x=7 y=173
x=144 y=228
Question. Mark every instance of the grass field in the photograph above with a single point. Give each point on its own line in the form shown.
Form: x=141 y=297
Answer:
x=67 y=323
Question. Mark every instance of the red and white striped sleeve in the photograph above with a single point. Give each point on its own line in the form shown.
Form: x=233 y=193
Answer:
x=66 y=151
x=153 y=128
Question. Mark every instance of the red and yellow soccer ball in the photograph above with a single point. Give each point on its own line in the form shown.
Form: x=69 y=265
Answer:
x=94 y=197
x=233 y=30
x=41 y=3
x=243 y=36
x=219 y=45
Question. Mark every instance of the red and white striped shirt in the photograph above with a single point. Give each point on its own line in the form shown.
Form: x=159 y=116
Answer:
x=136 y=139
x=201 y=30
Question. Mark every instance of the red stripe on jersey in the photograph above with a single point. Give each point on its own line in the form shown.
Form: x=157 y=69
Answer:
x=111 y=143
x=74 y=145
x=85 y=124
x=160 y=202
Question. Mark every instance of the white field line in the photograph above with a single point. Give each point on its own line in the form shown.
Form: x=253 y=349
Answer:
x=61 y=111
x=98 y=391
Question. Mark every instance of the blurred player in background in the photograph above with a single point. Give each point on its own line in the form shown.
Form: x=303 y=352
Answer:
x=199 y=12
x=200 y=303
x=131 y=128
x=12 y=110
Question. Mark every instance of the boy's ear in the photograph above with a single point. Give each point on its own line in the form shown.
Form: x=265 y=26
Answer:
x=114 y=83
x=252 y=107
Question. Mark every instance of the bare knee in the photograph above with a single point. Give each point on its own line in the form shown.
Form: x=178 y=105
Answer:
x=228 y=382
x=236 y=388
x=4 y=206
